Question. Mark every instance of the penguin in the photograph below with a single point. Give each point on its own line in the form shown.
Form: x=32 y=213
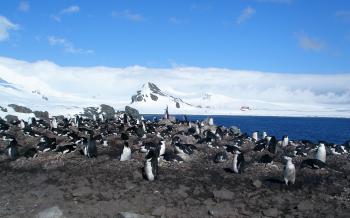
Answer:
x=220 y=157
x=263 y=135
x=266 y=159
x=53 y=124
x=184 y=150
x=321 y=152
x=66 y=148
x=211 y=121
x=151 y=165
x=30 y=153
x=238 y=162
x=285 y=141
x=255 y=136
x=166 y=114
x=12 y=150
x=289 y=171
x=126 y=153
x=90 y=149
x=22 y=125
x=162 y=148
x=272 y=144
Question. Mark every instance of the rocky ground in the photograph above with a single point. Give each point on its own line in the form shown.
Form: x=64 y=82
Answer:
x=71 y=185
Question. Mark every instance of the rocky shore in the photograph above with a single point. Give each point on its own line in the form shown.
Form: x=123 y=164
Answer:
x=56 y=184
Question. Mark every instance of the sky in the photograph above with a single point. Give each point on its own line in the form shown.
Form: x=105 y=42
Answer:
x=281 y=36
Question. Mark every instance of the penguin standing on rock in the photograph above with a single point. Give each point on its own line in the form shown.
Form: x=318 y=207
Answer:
x=90 y=149
x=126 y=153
x=151 y=165
x=289 y=171
x=285 y=141
x=321 y=152
x=12 y=150
x=238 y=162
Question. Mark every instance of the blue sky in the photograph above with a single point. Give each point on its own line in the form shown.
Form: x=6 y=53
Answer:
x=291 y=36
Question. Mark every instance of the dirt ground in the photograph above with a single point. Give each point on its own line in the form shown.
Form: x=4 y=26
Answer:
x=104 y=187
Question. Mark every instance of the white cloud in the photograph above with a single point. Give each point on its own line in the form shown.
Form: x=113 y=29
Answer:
x=120 y=84
x=126 y=14
x=24 y=6
x=67 y=46
x=308 y=43
x=70 y=10
x=245 y=15
x=5 y=27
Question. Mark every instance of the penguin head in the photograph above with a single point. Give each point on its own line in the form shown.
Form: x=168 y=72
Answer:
x=152 y=153
x=287 y=159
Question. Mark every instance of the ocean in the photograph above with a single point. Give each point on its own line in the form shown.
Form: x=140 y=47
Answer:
x=336 y=130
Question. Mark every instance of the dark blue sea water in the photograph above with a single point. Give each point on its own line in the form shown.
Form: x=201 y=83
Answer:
x=336 y=130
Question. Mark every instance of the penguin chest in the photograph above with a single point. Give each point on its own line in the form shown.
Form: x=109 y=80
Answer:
x=235 y=165
x=289 y=172
x=126 y=154
x=85 y=150
x=149 y=170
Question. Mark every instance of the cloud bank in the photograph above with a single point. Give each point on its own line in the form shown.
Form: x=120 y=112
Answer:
x=119 y=84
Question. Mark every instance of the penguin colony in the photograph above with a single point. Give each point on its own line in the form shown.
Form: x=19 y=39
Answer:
x=160 y=142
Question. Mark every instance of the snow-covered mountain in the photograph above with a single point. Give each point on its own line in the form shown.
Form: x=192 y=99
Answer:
x=151 y=99
x=46 y=86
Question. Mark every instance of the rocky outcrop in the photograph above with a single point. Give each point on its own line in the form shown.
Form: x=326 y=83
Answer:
x=132 y=112
x=108 y=111
x=41 y=114
x=20 y=109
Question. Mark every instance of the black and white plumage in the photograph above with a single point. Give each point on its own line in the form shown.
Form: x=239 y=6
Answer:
x=12 y=150
x=266 y=159
x=220 y=157
x=238 y=162
x=151 y=165
x=30 y=153
x=261 y=145
x=66 y=148
x=285 y=141
x=184 y=150
x=46 y=144
x=255 y=136
x=272 y=145
x=126 y=153
x=289 y=171
x=90 y=149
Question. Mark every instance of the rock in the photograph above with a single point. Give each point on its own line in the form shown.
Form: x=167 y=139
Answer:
x=52 y=212
x=271 y=212
x=11 y=118
x=235 y=130
x=20 y=109
x=3 y=109
x=159 y=211
x=108 y=111
x=257 y=183
x=305 y=205
x=223 y=194
x=154 y=97
x=41 y=115
x=89 y=112
x=132 y=112
x=132 y=215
